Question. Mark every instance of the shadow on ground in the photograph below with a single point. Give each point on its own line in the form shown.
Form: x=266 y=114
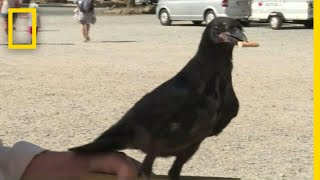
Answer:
x=68 y=44
x=155 y=177
x=286 y=26
x=112 y=41
x=65 y=44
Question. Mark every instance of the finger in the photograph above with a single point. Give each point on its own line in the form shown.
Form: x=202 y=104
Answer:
x=114 y=163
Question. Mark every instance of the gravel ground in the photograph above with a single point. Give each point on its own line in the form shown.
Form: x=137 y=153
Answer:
x=60 y=96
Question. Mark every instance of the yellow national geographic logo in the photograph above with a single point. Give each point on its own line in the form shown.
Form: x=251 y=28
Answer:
x=33 y=44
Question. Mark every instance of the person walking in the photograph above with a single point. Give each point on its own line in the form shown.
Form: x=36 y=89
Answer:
x=29 y=17
x=4 y=8
x=85 y=15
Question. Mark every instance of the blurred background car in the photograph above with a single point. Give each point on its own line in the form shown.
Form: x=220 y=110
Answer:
x=277 y=12
x=198 y=11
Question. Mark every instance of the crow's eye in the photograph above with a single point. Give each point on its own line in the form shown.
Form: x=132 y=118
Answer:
x=234 y=30
x=216 y=28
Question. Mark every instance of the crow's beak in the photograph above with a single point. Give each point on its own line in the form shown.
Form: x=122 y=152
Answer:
x=233 y=37
x=238 y=35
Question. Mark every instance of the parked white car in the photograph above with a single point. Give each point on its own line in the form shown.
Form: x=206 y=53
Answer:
x=198 y=11
x=276 y=12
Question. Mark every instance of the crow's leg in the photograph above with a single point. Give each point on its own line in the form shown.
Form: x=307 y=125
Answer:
x=181 y=159
x=147 y=165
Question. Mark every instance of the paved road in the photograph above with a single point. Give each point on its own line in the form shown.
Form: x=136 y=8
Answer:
x=64 y=95
x=56 y=11
x=57 y=22
x=61 y=11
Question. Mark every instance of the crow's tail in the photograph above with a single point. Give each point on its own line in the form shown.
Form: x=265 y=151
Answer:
x=116 y=138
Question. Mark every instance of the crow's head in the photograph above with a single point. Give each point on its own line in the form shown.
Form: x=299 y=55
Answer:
x=225 y=30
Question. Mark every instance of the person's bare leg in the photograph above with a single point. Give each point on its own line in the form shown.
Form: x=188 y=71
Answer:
x=87 y=32
x=5 y=24
x=83 y=31
x=14 y=20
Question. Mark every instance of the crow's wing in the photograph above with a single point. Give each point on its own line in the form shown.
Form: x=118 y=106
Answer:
x=162 y=104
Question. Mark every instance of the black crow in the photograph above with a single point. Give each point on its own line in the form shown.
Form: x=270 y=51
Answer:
x=173 y=119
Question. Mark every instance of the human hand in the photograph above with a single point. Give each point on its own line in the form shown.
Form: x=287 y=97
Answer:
x=69 y=166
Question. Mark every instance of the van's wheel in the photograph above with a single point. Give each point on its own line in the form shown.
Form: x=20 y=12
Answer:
x=275 y=22
x=164 y=18
x=209 y=16
x=308 y=24
x=197 y=22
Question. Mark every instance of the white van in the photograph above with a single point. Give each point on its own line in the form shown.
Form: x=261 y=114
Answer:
x=279 y=11
x=198 y=11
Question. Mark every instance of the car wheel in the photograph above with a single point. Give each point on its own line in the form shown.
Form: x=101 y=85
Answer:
x=164 y=17
x=197 y=22
x=153 y=1
x=209 y=16
x=245 y=23
x=308 y=24
x=275 y=22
